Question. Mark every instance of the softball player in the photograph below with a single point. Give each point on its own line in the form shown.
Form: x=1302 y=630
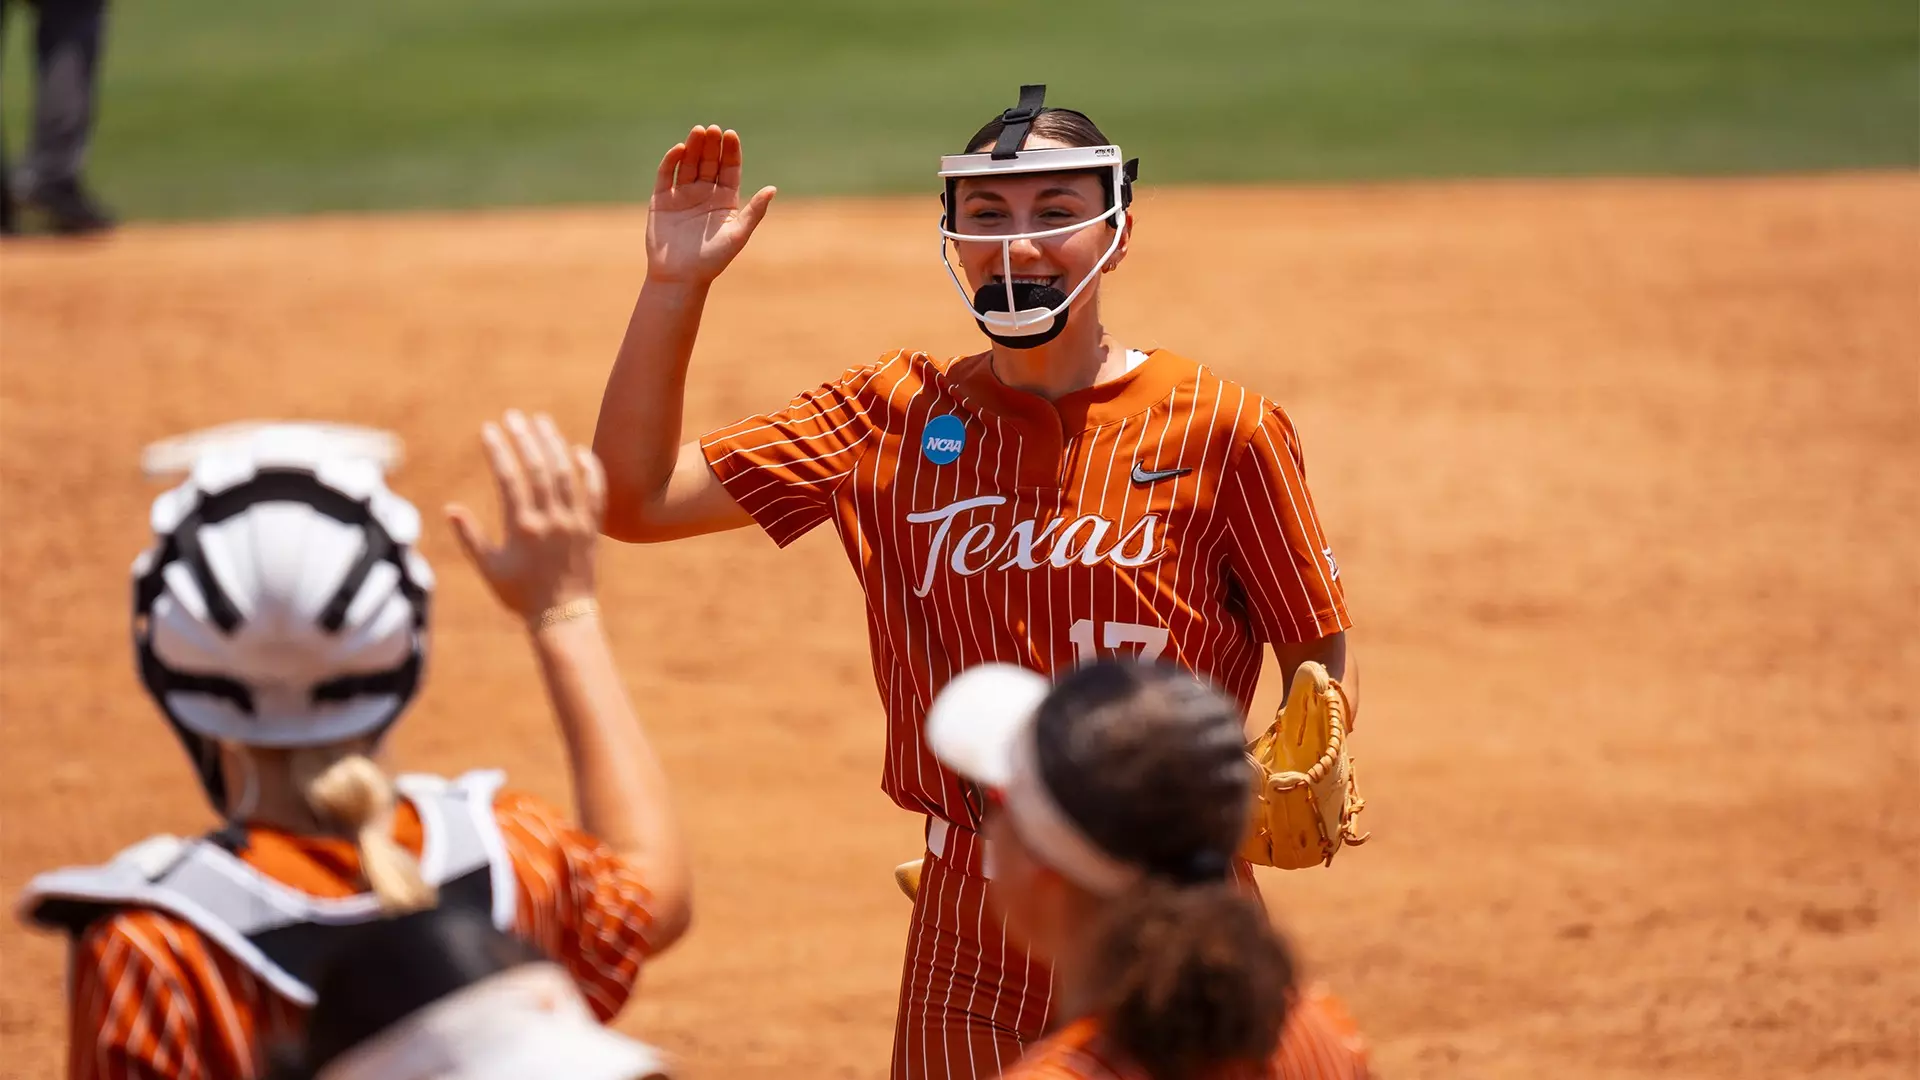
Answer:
x=1058 y=497
x=1115 y=801
x=280 y=624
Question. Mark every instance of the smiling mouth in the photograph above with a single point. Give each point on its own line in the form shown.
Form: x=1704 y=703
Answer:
x=1029 y=279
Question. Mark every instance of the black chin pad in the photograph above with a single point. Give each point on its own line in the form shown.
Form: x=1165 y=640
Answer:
x=1026 y=297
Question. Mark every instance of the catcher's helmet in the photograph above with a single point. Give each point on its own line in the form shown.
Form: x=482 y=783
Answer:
x=282 y=603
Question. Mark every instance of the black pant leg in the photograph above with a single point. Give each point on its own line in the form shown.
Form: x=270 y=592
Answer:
x=67 y=43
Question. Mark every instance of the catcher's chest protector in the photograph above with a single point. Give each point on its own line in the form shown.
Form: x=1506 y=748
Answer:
x=282 y=934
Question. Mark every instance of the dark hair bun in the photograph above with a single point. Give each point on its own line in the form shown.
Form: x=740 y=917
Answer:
x=1150 y=763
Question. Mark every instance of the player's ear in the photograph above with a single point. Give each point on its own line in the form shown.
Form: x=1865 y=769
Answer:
x=1120 y=249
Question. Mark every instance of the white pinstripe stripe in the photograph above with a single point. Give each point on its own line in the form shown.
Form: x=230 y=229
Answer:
x=1212 y=567
x=973 y=991
x=1024 y=648
x=918 y=688
x=1263 y=589
x=808 y=509
x=1299 y=456
x=174 y=1022
x=1314 y=541
x=981 y=483
x=779 y=474
x=112 y=958
x=1010 y=653
x=850 y=396
x=1218 y=633
x=925 y=999
x=914 y=688
x=1126 y=499
x=1096 y=573
x=1055 y=630
x=888 y=537
x=218 y=995
x=1140 y=603
x=950 y=1026
x=1195 y=533
x=947 y=1022
x=808 y=438
x=1278 y=523
x=149 y=975
x=945 y=631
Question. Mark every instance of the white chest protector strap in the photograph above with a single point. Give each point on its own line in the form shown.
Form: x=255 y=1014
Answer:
x=280 y=933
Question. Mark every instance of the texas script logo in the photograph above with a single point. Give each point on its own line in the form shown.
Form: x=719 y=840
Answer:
x=1027 y=545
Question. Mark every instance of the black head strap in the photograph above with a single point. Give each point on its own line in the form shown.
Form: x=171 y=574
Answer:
x=1018 y=121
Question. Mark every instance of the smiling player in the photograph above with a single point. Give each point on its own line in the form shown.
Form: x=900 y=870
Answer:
x=1056 y=498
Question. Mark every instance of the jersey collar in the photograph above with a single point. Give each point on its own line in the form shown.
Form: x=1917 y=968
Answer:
x=1082 y=410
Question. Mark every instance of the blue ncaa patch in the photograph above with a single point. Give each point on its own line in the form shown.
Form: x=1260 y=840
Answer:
x=943 y=439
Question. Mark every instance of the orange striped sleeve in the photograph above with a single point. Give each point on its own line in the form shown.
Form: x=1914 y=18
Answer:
x=1276 y=550
x=1320 y=1041
x=782 y=467
x=583 y=904
x=133 y=1016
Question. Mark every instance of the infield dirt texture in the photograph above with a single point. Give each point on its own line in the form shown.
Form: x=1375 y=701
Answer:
x=1621 y=476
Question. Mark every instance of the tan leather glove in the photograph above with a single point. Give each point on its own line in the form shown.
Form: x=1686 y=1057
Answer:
x=1305 y=799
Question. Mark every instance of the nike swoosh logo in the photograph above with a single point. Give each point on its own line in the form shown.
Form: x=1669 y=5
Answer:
x=1144 y=476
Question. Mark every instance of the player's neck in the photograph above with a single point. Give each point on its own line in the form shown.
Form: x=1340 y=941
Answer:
x=278 y=808
x=1072 y=361
x=1072 y=962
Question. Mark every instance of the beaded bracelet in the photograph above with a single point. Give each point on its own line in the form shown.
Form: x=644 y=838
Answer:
x=559 y=613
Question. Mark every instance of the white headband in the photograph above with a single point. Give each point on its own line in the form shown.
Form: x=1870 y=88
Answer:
x=981 y=725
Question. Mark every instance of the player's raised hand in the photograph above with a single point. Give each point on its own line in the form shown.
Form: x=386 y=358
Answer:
x=552 y=498
x=695 y=222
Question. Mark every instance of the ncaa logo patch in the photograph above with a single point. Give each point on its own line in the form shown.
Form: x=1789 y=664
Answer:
x=943 y=439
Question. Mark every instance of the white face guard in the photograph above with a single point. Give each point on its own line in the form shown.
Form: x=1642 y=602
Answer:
x=1016 y=322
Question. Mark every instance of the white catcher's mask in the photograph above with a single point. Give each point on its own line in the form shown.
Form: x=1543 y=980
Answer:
x=1025 y=316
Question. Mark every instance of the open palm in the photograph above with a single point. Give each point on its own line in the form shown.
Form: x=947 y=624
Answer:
x=695 y=223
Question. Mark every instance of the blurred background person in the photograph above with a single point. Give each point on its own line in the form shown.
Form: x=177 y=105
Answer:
x=280 y=623
x=68 y=35
x=444 y=995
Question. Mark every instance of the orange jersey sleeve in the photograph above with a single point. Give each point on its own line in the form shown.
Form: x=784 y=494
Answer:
x=782 y=467
x=1276 y=551
x=578 y=901
x=149 y=999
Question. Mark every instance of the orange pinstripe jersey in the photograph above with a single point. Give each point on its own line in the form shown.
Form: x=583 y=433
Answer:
x=151 y=998
x=1318 y=1042
x=1165 y=512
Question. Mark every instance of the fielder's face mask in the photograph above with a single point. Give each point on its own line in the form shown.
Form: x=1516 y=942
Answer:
x=1027 y=315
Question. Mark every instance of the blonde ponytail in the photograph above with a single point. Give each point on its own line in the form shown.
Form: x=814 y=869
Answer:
x=346 y=789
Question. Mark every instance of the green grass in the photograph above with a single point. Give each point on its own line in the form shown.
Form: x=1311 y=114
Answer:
x=214 y=108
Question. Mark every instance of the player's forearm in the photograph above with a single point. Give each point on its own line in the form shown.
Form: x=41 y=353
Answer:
x=620 y=788
x=638 y=434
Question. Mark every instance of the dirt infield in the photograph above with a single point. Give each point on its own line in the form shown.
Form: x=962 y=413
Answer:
x=1621 y=475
